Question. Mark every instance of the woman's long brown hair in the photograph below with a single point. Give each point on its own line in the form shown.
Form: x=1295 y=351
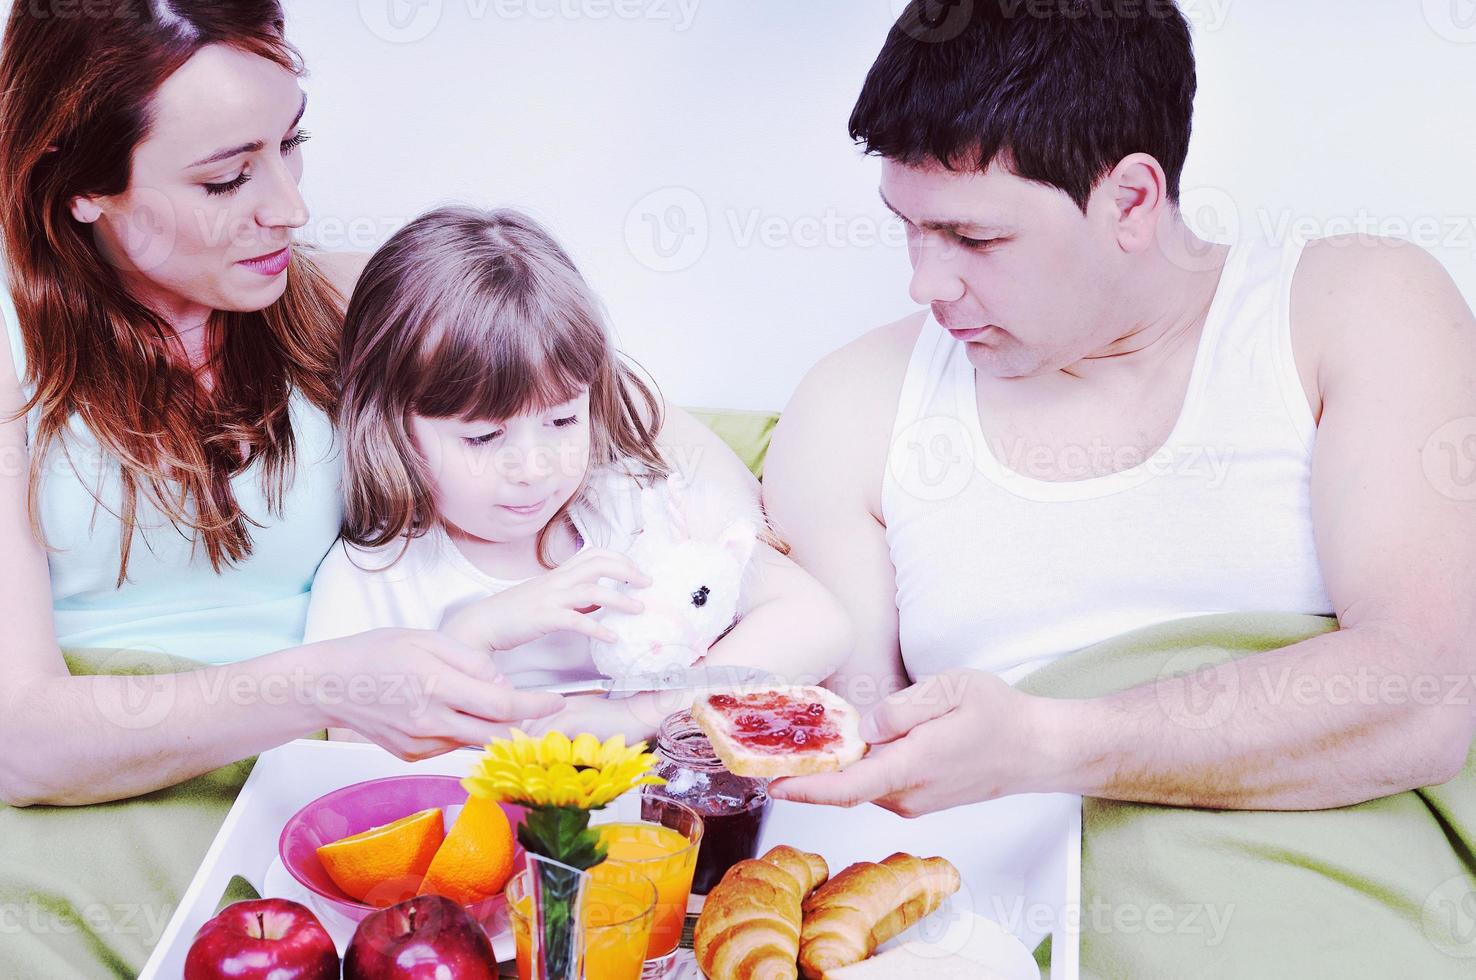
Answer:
x=75 y=96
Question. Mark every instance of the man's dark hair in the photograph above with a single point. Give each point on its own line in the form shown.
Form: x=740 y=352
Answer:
x=1059 y=91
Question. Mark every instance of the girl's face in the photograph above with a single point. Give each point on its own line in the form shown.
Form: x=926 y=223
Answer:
x=503 y=480
x=212 y=199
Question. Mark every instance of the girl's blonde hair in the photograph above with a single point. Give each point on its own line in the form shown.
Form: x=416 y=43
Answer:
x=481 y=315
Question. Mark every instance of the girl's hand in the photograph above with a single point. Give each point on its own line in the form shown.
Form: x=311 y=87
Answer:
x=559 y=600
x=417 y=693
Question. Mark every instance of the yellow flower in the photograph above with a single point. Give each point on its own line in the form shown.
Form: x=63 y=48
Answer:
x=556 y=772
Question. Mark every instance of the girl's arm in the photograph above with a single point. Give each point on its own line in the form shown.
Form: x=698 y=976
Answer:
x=791 y=625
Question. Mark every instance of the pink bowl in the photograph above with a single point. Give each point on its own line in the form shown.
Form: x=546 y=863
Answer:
x=357 y=808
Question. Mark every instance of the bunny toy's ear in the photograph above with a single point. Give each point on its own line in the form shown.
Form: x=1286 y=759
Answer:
x=738 y=541
x=676 y=512
x=656 y=520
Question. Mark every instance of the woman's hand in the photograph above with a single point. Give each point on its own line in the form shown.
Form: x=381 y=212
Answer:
x=959 y=737
x=559 y=600
x=417 y=693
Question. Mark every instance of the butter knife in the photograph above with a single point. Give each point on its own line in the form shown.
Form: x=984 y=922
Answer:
x=672 y=679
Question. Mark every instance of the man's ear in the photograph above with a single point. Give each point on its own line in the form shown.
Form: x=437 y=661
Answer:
x=1138 y=193
x=86 y=209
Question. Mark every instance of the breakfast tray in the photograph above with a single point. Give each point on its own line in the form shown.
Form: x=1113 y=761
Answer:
x=287 y=778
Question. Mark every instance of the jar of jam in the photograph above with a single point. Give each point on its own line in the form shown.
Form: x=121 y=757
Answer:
x=733 y=807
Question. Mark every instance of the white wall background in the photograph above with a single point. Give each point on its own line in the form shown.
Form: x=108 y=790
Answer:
x=692 y=154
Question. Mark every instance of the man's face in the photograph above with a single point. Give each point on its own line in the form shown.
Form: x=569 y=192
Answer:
x=1010 y=267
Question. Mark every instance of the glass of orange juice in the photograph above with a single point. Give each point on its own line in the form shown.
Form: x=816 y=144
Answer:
x=618 y=911
x=656 y=838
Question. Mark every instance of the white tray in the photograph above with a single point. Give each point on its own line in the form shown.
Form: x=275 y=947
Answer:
x=287 y=778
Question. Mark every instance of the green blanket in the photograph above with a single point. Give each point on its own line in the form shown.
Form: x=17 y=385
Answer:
x=87 y=891
x=1386 y=888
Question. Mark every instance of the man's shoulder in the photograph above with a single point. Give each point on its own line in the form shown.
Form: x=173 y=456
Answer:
x=836 y=428
x=861 y=380
x=877 y=356
x=1345 y=268
x=1355 y=297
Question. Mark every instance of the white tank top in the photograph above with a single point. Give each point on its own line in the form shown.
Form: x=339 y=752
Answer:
x=1003 y=572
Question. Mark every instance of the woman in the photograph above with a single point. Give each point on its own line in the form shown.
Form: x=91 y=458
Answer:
x=166 y=390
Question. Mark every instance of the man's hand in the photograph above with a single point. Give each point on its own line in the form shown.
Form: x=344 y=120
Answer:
x=959 y=737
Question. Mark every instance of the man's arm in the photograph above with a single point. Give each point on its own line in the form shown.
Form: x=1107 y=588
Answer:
x=822 y=491
x=1380 y=706
x=1386 y=703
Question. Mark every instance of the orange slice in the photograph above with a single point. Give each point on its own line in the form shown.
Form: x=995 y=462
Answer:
x=477 y=857
x=384 y=865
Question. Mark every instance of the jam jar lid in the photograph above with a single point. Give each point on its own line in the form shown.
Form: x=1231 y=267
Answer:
x=682 y=743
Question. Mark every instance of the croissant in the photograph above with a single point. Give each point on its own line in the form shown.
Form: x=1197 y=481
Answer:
x=750 y=924
x=867 y=904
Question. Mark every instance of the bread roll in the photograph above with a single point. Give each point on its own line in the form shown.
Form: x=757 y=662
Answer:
x=750 y=924
x=867 y=904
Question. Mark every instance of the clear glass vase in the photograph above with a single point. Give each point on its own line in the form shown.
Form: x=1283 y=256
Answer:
x=557 y=895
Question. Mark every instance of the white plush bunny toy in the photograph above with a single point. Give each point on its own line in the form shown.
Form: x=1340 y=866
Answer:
x=696 y=546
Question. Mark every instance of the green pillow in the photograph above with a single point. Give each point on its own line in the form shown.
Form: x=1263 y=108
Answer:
x=748 y=433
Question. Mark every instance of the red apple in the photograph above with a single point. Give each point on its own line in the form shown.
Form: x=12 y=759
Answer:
x=266 y=937
x=424 y=938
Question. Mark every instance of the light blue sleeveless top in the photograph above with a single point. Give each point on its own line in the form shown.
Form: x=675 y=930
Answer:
x=173 y=601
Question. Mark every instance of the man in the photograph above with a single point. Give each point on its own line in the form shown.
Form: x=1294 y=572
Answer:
x=1104 y=422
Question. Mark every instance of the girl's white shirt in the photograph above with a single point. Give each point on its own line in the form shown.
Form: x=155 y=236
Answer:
x=358 y=589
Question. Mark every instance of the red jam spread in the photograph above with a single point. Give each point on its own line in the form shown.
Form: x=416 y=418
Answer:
x=771 y=722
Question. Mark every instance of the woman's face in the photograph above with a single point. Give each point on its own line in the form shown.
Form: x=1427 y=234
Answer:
x=212 y=198
x=504 y=480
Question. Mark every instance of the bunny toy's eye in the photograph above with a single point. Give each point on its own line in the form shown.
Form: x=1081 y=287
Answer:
x=699 y=598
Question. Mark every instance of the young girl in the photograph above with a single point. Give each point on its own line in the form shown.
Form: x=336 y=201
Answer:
x=495 y=449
